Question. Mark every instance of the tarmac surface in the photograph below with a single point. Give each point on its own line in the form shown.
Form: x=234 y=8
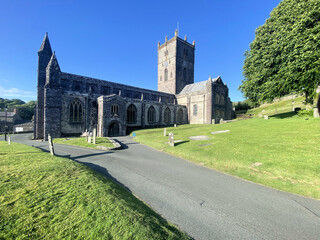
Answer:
x=204 y=203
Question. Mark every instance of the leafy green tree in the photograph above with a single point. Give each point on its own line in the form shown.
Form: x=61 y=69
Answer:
x=285 y=54
x=26 y=111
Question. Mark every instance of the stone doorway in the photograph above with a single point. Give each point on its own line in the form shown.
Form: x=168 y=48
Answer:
x=113 y=130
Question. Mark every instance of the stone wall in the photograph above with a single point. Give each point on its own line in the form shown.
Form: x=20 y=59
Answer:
x=175 y=56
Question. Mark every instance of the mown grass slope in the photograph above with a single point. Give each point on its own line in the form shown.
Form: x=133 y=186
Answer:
x=81 y=142
x=280 y=153
x=45 y=197
x=284 y=105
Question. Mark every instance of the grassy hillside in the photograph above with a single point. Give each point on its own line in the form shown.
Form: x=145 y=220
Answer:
x=45 y=197
x=280 y=153
x=283 y=105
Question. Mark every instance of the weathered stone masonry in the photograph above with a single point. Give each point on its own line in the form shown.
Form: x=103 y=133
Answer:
x=70 y=104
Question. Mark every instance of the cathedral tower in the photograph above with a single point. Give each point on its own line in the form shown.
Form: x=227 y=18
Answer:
x=44 y=56
x=175 y=64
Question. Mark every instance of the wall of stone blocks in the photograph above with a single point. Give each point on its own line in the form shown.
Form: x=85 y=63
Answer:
x=68 y=128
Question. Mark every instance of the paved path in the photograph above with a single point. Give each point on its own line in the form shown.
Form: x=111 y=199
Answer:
x=202 y=202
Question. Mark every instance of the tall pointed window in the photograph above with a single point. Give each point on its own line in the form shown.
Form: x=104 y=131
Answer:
x=131 y=114
x=114 y=109
x=151 y=115
x=180 y=116
x=76 y=111
x=195 y=110
x=167 y=116
x=166 y=75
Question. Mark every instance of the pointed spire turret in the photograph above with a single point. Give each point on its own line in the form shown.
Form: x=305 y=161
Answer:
x=53 y=72
x=45 y=45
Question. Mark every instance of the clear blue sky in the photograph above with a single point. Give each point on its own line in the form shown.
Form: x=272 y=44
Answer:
x=117 y=40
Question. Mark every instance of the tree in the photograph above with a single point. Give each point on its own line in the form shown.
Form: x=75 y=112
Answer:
x=26 y=110
x=284 y=57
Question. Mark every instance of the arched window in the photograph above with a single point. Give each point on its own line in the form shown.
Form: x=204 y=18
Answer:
x=166 y=75
x=114 y=109
x=76 y=111
x=131 y=114
x=184 y=74
x=180 y=116
x=195 y=110
x=217 y=99
x=167 y=116
x=222 y=100
x=151 y=115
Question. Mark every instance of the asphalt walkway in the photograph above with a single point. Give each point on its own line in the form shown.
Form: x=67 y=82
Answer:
x=204 y=203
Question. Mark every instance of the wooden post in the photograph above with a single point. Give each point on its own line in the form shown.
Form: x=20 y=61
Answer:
x=50 y=145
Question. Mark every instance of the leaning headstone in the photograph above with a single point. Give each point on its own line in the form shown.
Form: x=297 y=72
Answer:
x=165 y=132
x=171 y=139
x=316 y=113
x=89 y=139
x=94 y=135
x=221 y=121
x=266 y=117
x=50 y=145
x=9 y=140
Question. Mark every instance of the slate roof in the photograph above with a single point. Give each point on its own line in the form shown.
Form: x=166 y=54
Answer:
x=9 y=114
x=199 y=86
x=194 y=87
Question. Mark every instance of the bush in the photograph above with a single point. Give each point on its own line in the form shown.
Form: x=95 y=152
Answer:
x=306 y=113
x=244 y=105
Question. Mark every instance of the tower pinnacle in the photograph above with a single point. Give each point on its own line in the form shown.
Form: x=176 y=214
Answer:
x=45 y=45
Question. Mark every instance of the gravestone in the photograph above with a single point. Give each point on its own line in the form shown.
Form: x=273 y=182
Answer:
x=175 y=125
x=89 y=139
x=266 y=117
x=316 y=113
x=221 y=121
x=94 y=135
x=222 y=131
x=260 y=115
x=9 y=140
x=213 y=121
x=50 y=145
x=171 y=139
x=165 y=132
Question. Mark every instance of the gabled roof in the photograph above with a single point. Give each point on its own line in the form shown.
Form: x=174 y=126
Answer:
x=194 y=87
x=9 y=114
x=199 y=86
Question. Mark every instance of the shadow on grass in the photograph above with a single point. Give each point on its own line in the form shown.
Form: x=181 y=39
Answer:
x=284 y=115
x=182 y=142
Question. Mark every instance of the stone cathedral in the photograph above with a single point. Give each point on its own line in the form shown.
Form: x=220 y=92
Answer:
x=69 y=104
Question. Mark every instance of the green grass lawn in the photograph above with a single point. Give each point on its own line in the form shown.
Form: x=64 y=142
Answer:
x=45 y=197
x=277 y=107
x=287 y=148
x=81 y=142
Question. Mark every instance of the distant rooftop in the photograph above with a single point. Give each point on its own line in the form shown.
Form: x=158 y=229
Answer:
x=9 y=114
